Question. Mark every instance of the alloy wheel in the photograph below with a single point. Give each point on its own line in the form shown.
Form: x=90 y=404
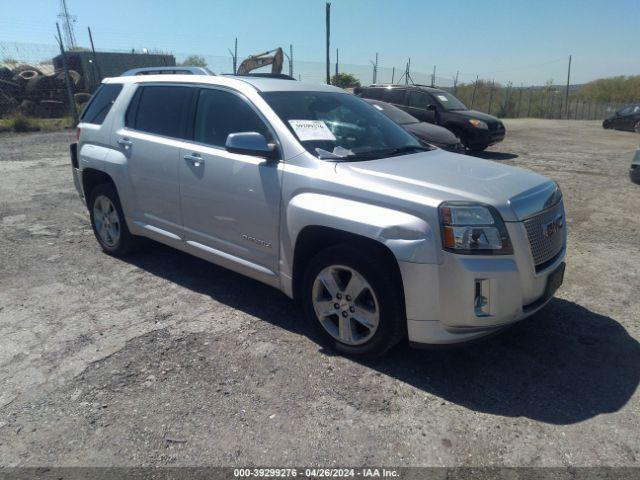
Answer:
x=106 y=221
x=345 y=304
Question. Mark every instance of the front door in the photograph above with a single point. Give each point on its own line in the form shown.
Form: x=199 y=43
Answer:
x=417 y=105
x=230 y=202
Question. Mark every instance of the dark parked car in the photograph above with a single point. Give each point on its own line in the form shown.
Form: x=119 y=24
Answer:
x=627 y=118
x=426 y=132
x=634 y=171
x=475 y=129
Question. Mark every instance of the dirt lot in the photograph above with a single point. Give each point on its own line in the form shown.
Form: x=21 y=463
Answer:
x=164 y=359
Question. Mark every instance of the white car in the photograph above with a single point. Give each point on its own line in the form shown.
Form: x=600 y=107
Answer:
x=315 y=192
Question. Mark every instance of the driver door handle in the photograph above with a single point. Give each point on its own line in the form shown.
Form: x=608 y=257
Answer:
x=194 y=159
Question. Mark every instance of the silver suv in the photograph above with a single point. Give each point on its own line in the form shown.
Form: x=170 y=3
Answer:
x=313 y=191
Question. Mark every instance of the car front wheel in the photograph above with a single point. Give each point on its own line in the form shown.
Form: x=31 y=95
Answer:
x=636 y=127
x=352 y=301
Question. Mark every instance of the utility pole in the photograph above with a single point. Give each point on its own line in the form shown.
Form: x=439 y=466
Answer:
x=328 y=19
x=393 y=74
x=566 y=95
x=375 y=69
x=433 y=77
x=493 y=82
x=519 y=100
x=67 y=23
x=473 y=95
x=65 y=66
x=337 y=57
x=290 y=60
x=234 y=56
x=95 y=60
x=455 y=84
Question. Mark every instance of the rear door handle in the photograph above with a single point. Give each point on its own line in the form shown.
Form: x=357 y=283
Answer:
x=194 y=159
x=125 y=142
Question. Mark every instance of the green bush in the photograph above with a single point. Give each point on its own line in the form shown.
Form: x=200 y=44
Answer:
x=20 y=123
x=345 y=80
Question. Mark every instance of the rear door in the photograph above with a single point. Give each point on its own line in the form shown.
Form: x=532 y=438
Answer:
x=417 y=103
x=156 y=124
x=395 y=96
x=230 y=201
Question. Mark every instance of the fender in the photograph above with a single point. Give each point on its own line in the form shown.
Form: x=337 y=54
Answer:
x=410 y=239
x=113 y=163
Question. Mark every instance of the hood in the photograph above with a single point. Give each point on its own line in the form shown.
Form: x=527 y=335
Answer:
x=432 y=133
x=476 y=114
x=436 y=176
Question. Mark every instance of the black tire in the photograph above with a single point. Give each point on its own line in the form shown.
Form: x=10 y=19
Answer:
x=127 y=243
x=636 y=127
x=478 y=148
x=392 y=326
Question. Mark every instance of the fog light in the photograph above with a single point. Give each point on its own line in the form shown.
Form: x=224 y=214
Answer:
x=481 y=303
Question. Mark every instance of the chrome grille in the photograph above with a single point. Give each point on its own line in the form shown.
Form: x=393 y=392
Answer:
x=546 y=234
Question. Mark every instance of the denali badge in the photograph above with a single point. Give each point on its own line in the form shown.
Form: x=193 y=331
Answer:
x=255 y=240
x=548 y=229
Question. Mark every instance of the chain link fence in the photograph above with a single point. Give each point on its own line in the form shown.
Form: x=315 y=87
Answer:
x=33 y=82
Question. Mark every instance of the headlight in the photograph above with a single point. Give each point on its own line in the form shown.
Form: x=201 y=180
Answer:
x=478 y=123
x=471 y=229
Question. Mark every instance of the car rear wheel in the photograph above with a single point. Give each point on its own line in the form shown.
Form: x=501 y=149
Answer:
x=352 y=302
x=108 y=222
x=636 y=127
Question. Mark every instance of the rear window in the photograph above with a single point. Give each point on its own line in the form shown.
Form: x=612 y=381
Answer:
x=101 y=103
x=161 y=110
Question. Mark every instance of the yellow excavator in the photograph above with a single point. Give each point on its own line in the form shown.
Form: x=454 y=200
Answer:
x=275 y=58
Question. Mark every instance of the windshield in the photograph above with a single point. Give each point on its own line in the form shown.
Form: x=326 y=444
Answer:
x=394 y=113
x=340 y=126
x=448 y=101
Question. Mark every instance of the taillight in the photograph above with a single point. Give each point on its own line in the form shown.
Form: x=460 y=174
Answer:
x=78 y=133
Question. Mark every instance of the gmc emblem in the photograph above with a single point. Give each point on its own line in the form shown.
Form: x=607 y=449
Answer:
x=554 y=226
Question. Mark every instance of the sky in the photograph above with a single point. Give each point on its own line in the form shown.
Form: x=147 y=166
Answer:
x=520 y=41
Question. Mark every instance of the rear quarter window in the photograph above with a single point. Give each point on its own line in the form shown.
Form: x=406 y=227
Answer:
x=101 y=102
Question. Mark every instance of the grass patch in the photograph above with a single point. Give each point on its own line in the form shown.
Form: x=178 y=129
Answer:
x=23 y=123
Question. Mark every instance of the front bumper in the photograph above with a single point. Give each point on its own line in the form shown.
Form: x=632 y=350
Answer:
x=483 y=138
x=441 y=299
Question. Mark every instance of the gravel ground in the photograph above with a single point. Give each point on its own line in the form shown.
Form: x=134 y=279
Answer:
x=164 y=359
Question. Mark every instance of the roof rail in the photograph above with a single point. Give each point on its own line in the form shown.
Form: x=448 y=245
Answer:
x=174 y=70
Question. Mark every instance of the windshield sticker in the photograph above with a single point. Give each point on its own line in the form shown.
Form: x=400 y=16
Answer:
x=307 y=130
x=442 y=98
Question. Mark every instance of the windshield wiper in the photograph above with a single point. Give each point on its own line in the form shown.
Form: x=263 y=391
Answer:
x=406 y=149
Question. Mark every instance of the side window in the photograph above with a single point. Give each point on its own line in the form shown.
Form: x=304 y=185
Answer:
x=419 y=99
x=625 y=111
x=163 y=110
x=97 y=109
x=220 y=113
x=395 y=95
x=373 y=93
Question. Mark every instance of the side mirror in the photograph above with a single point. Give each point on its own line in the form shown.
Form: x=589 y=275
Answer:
x=431 y=107
x=249 y=143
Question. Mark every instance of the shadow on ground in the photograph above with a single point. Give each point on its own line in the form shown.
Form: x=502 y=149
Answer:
x=564 y=365
x=488 y=155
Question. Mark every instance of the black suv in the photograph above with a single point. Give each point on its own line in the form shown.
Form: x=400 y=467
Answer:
x=627 y=118
x=476 y=130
